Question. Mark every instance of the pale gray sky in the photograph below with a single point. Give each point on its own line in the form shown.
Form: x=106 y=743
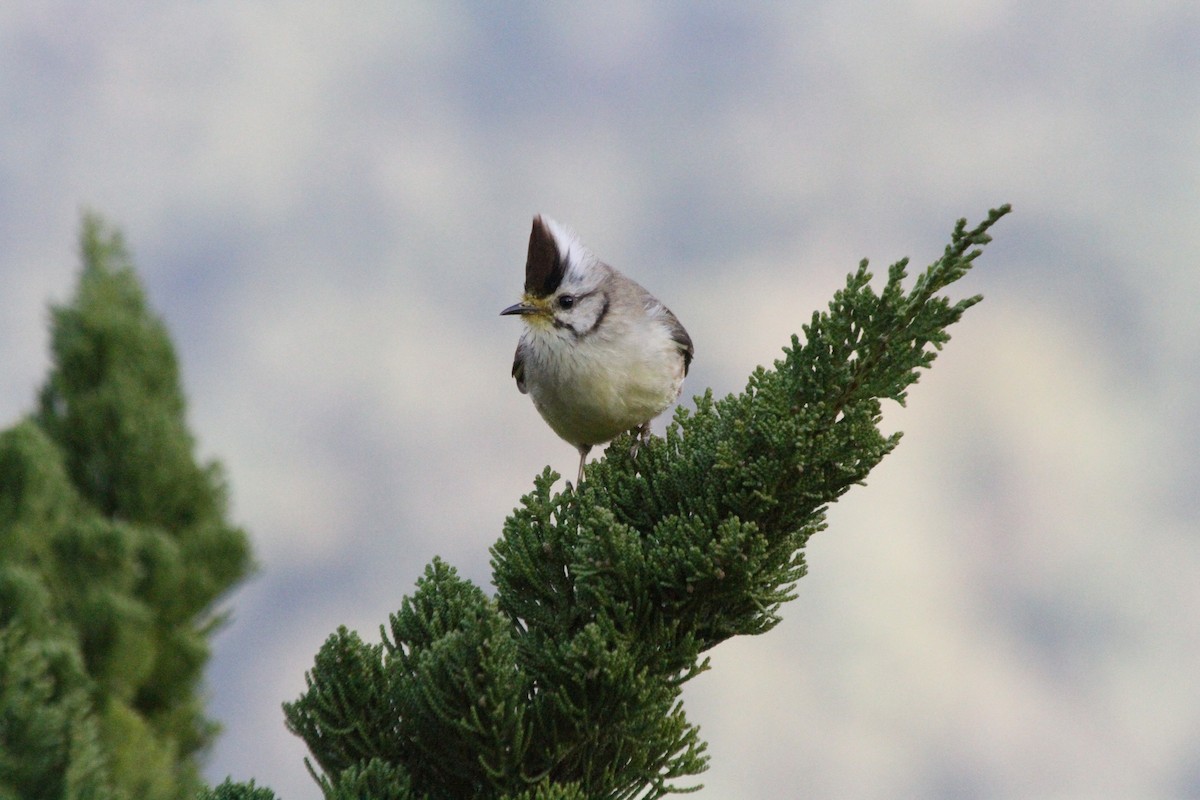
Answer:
x=330 y=207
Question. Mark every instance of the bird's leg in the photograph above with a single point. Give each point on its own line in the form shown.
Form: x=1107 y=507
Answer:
x=584 y=449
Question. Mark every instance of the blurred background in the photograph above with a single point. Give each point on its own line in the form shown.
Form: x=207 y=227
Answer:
x=329 y=207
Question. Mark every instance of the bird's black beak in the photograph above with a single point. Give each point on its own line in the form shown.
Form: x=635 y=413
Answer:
x=519 y=308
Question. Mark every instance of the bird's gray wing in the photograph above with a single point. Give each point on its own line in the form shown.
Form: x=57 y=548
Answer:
x=518 y=369
x=679 y=335
x=681 y=338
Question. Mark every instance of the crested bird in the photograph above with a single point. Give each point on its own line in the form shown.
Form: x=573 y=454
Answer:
x=599 y=355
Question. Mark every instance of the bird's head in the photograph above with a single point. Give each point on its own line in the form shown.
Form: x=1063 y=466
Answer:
x=564 y=282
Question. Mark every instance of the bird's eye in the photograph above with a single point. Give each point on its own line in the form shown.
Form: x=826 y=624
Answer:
x=566 y=301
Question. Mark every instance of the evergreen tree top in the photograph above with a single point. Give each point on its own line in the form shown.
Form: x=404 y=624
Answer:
x=114 y=548
x=566 y=683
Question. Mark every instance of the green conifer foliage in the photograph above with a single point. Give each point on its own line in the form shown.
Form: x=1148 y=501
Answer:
x=114 y=548
x=236 y=791
x=566 y=684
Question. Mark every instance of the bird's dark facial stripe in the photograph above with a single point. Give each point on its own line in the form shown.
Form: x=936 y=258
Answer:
x=561 y=323
x=600 y=317
x=544 y=267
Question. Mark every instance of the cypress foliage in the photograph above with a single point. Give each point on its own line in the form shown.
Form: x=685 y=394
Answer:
x=114 y=548
x=566 y=684
x=236 y=791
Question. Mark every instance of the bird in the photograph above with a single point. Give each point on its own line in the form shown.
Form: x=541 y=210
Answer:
x=599 y=355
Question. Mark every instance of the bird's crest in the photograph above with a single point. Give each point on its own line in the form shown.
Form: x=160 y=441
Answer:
x=553 y=252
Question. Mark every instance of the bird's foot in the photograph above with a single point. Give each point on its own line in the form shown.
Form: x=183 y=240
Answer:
x=641 y=437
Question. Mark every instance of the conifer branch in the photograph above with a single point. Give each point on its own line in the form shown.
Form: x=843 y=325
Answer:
x=566 y=684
